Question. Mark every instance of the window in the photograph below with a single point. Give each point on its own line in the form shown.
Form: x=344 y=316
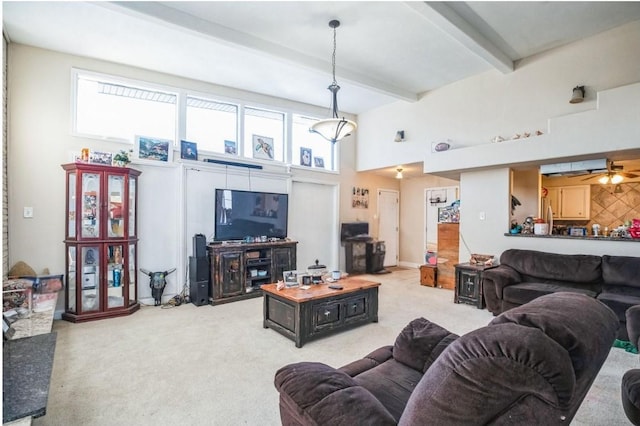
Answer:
x=109 y=109
x=263 y=134
x=310 y=149
x=212 y=125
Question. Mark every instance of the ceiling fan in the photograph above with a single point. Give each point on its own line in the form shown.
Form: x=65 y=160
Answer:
x=613 y=175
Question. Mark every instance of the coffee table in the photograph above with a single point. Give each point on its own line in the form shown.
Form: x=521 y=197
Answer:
x=303 y=315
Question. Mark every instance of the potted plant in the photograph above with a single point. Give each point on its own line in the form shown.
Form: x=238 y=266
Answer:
x=122 y=158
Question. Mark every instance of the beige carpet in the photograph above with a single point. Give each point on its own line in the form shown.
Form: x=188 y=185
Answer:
x=215 y=365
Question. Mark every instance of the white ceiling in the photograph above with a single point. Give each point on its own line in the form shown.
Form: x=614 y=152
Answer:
x=386 y=51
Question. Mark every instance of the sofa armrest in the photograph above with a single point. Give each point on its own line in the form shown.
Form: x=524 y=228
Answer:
x=368 y=362
x=314 y=393
x=633 y=324
x=494 y=281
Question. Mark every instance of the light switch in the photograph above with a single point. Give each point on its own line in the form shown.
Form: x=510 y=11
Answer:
x=28 y=212
x=482 y=216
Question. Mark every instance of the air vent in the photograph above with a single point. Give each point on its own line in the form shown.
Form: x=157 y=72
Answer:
x=574 y=168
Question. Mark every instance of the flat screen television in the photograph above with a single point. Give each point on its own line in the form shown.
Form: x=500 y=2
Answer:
x=241 y=214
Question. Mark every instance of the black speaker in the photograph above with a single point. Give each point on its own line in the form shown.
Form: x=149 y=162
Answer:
x=199 y=292
x=198 y=269
x=199 y=245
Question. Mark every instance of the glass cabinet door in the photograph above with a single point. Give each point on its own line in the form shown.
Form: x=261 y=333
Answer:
x=90 y=205
x=132 y=206
x=71 y=279
x=115 y=276
x=132 y=274
x=115 y=188
x=90 y=295
x=71 y=197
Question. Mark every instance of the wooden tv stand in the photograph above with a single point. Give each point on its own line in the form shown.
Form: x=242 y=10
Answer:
x=239 y=269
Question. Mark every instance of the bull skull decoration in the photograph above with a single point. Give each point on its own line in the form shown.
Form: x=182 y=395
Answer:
x=157 y=282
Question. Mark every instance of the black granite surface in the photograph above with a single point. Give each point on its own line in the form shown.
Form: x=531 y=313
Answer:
x=26 y=373
x=571 y=237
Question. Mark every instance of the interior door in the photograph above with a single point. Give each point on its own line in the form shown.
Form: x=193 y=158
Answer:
x=388 y=220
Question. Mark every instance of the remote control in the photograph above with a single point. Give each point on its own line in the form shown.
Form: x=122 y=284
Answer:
x=336 y=286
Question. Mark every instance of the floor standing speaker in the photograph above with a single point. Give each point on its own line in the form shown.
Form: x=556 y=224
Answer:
x=199 y=280
x=199 y=246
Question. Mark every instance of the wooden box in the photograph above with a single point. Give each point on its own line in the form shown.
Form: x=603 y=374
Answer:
x=428 y=275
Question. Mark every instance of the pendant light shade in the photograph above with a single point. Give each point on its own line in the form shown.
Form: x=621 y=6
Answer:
x=335 y=128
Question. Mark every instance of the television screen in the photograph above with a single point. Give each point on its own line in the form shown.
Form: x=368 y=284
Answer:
x=241 y=214
x=354 y=230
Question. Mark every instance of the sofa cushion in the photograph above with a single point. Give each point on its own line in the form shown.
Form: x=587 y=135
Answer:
x=420 y=343
x=391 y=383
x=526 y=292
x=621 y=270
x=619 y=299
x=552 y=266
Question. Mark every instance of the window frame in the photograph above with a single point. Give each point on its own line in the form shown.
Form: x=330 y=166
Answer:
x=77 y=72
x=289 y=157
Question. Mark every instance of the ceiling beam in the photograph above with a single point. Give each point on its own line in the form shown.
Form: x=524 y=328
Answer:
x=218 y=33
x=452 y=24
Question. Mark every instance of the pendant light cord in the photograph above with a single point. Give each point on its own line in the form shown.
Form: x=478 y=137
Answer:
x=333 y=57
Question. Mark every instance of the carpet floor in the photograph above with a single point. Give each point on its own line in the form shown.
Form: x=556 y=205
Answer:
x=214 y=365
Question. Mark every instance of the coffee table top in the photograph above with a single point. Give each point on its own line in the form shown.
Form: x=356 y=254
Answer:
x=320 y=291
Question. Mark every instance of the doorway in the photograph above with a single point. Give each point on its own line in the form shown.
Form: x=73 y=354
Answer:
x=435 y=198
x=388 y=223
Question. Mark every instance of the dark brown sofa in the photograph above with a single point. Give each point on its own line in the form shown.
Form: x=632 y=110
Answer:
x=531 y=365
x=524 y=275
x=630 y=385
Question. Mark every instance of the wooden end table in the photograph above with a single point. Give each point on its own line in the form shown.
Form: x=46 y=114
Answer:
x=302 y=315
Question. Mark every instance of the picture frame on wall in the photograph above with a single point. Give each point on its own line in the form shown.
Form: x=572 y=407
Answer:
x=262 y=147
x=99 y=157
x=188 y=150
x=318 y=162
x=153 y=150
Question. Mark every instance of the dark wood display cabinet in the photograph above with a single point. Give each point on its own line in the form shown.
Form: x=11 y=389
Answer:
x=100 y=241
x=239 y=269
x=469 y=284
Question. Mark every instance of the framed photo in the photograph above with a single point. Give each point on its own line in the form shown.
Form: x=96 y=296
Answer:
x=360 y=198
x=262 y=147
x=188 y=150
x=305 y=156
x=318 y=162
x=230 y=147
x=290 y=278
x=151 y=149
x=97 y=157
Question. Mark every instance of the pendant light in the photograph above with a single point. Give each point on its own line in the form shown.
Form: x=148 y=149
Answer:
x=334 y=129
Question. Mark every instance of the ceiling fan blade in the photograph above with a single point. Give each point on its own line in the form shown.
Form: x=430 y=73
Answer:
x=628 y=175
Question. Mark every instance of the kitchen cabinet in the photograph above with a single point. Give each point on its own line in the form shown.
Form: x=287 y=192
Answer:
x=100 y=241
x=570 y=202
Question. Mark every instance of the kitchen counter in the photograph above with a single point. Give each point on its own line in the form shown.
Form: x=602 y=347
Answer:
x=573 y=237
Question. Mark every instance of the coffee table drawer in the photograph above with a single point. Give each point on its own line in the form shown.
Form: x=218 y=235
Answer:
x=325 y=315
x=355 y=307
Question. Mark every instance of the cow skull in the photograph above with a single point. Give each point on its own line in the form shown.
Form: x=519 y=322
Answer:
x=157 y=282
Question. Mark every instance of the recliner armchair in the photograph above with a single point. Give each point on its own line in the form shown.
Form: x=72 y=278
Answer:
x=631 y=379
x=531 y=365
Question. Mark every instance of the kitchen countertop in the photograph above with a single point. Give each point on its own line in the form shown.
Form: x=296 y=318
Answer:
x=574 y=237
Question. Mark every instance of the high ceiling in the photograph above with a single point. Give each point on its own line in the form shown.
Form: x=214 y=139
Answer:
x=386 y=51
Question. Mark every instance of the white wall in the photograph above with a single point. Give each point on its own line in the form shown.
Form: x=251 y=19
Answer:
x=40 y=140
x=472 y=111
